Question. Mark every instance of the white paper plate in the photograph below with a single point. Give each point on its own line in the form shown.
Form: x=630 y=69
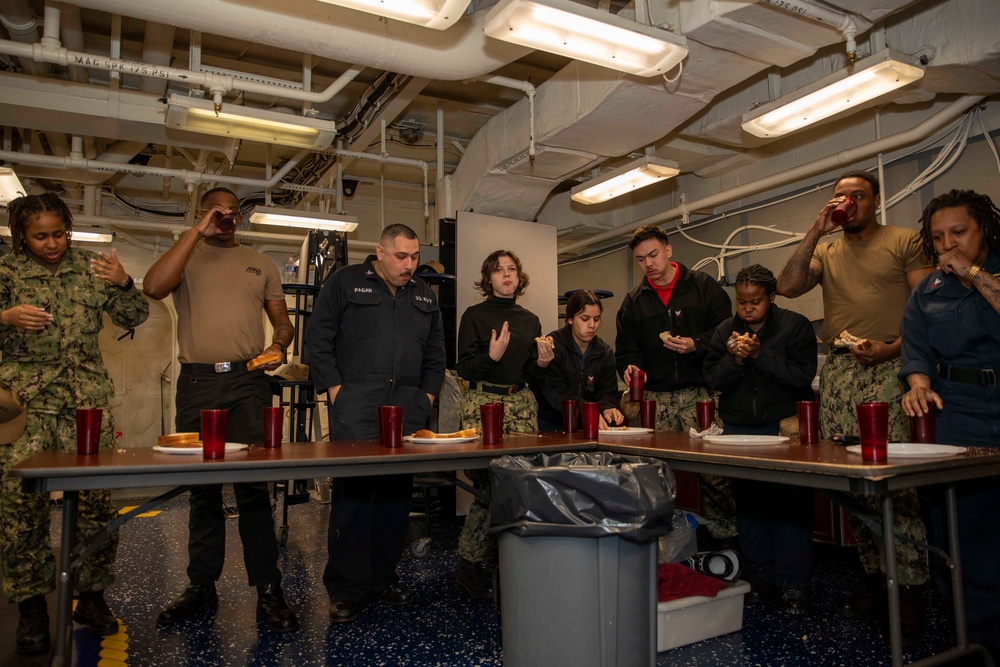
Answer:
x=746 y=440
x=631 y=430
x=905 y=450
x=436 y=441
x=230 y=448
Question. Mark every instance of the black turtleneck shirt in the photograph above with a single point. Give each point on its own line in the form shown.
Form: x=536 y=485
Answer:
x=518 y=363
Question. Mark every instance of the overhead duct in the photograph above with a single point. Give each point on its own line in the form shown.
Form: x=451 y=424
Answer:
x=461 y=52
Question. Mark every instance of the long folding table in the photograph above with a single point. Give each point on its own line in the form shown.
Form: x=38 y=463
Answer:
x=825 y=466
x=832 y=467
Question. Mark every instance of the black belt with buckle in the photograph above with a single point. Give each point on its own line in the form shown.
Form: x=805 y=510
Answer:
x=221 y=367
x=500 y=390
x=981 y=377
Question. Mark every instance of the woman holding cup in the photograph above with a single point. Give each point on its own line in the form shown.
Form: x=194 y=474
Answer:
x=498 y=356
x=52 y=300
x=583 y=368
x=763 y=362
x=950 y=361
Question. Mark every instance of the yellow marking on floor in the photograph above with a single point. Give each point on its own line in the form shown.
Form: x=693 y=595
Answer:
x=111 y=654
x=114 y=644
x=143 y=515
x=108 y=662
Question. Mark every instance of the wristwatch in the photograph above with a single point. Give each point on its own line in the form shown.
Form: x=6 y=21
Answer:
x=129 y=284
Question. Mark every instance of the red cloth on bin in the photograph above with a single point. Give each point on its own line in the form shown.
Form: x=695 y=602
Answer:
x=675 y=581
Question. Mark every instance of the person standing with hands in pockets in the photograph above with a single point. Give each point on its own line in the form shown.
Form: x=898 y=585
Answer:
x=52 y=300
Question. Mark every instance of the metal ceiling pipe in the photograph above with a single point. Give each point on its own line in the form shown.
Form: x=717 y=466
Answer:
x=850 y=156
x=461 y=52
x=19 y=20
x=188 y=176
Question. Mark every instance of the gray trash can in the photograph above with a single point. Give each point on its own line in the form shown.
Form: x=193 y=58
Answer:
x=578 y=563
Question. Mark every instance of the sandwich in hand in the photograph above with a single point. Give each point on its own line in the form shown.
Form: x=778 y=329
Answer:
x=263 y=359
x=846 y=339
x=547 y=340
x=666 y=335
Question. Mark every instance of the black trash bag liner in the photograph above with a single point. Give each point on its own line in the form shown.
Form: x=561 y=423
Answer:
x=587 y=494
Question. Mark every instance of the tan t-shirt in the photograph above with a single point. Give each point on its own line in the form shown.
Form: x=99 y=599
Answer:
x=220 y=303
x=864 y=282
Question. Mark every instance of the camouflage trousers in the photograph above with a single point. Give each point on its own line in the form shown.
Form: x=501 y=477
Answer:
x=520 y=415
x=28 y=564
x=676 y=411
x=843 y=384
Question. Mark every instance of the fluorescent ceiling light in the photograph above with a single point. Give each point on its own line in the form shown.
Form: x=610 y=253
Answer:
x=437 y=14
x=265 y=215
x=95 y=236
x=587 y=34
x=10 y=186
x=624 y=180
x=197 y=115
x=869 y=78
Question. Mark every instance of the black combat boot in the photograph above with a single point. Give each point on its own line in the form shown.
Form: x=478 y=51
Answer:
x=93 y=613
x=33 y=626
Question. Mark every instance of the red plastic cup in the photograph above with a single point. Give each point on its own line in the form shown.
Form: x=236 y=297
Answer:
x=922 y=427
x=274 y=422
x=845 y=211
x=873 y=427
x=808 y=422
x=213 y=433
x=647 y=413
x=491 y=421
x=591 y=418
x=390 y=425
x=224 y=222
x=706 y=414
x=636 y=385
x=570 y=415
x=88 y=430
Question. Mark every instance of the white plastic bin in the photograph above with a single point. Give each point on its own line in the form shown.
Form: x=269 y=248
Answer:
x=693 y=619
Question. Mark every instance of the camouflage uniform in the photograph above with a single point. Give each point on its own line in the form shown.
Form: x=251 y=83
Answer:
x=844 y=382
x=55 y=371
x=520 y=415
x=676 y=411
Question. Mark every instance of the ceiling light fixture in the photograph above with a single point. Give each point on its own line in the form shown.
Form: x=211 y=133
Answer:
x=869 y=78
x=266 y=215
x=10 y=186
x=624 y=180
x=198 y=115
x=96 y=235
x=436 y=14
x=587 y=34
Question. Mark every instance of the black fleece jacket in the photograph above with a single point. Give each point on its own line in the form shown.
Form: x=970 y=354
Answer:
x=764 y=390
x=696 y=307
x=565 y=379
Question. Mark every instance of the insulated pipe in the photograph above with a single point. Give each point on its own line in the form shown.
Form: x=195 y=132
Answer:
x=529 y=90
x=64 y=57
x=461 y=52
x=189 y=177
x=842 y=22
x=19 y=20
x=851 y=156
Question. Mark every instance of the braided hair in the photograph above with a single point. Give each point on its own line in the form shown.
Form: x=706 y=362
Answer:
x=23 y=210
x=757 y=274
x=979 y=207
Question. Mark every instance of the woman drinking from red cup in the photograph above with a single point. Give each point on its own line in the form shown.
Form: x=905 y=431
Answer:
x=762 y=362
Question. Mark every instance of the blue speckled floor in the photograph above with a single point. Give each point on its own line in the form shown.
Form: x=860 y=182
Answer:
x=445 y=628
